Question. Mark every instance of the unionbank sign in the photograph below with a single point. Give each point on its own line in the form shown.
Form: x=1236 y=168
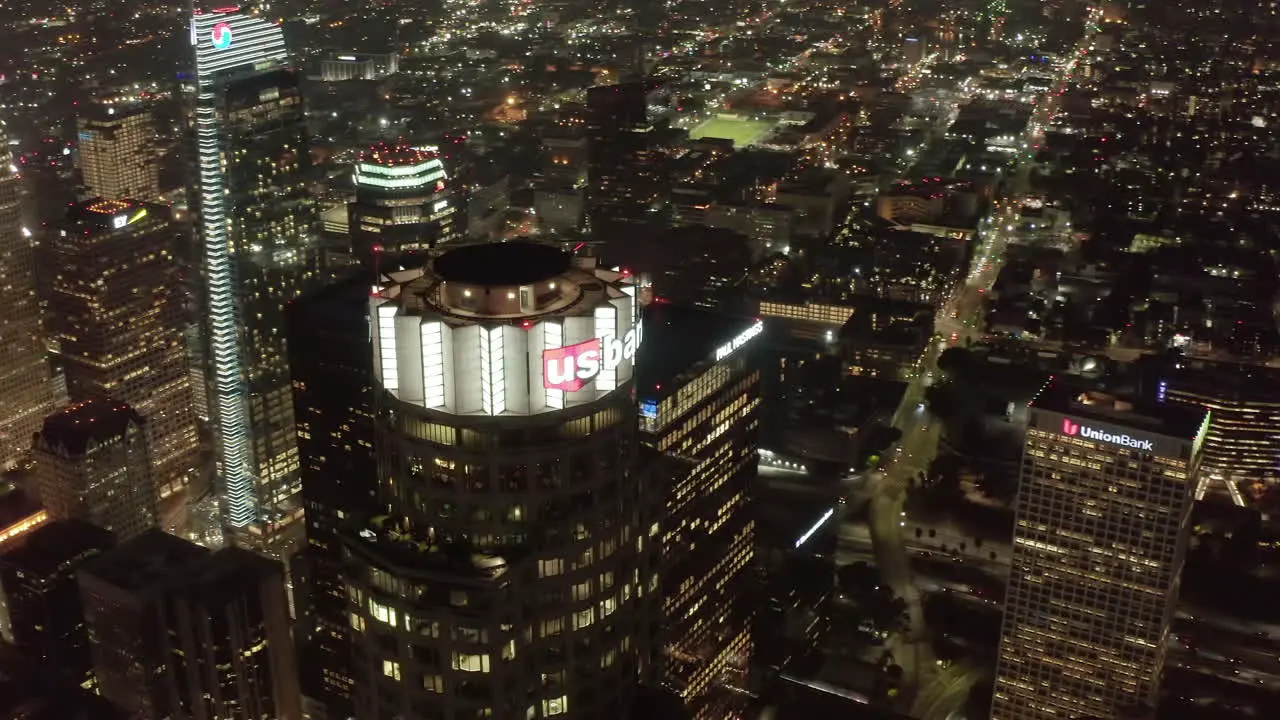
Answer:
x=1074 y=429
x=571 y=368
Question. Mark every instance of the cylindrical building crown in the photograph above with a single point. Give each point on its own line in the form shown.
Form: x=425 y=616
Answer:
x=505 y=329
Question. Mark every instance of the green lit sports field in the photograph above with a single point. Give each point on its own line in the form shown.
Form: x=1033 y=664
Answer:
x=741 y=132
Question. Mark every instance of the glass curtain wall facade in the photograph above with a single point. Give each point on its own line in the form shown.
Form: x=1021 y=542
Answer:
x=704 y=422
x=258 y=222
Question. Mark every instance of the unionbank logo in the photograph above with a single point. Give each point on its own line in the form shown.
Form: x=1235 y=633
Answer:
x=1076 y=429
x=571 y=368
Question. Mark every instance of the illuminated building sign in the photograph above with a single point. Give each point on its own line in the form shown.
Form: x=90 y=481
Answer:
x=571 y=368
x=649 y=409
x=220 y=36
x=745 y=336
x=1076 y=429
x=123 y=221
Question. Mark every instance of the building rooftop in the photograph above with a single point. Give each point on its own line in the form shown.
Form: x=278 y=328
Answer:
x=679 y=341
x=99 y=215
x=1077 y=400
x=502 y=264
x=72 y=430
x=151 y=559
x=52 y=546
x=227 y=572
x=16 y=505
x=389 y=155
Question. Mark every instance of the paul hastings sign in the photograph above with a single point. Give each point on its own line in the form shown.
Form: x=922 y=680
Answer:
x=1074 y=429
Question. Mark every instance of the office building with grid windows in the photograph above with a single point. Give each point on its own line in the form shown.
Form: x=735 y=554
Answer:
x=117 y=156
x=116 y=319
x=511 y=573
x=1102 y=525
x=699 y=391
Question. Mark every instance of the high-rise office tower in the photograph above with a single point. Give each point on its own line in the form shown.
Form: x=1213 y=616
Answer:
x=403 y=204
x=26 y=394
x=511 y=573
x=40 y=601
x=117 y=153
x=179 y=631
x=93 y=462
x=332 y=369
x=257 y=224
x=116 y=318
x=626 y=163
x=1243 y=442
x=1102 y=524
x=699 y=397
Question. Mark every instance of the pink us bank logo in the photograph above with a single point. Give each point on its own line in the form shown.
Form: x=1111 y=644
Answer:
x=1070 y=428
x=571 y=368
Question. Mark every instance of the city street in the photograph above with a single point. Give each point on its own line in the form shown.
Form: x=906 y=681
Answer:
x=958 y=320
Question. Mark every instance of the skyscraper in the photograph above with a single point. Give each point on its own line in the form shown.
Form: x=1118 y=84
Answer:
x=179 y=631
x=1102 y=525
x=257 y=224
x=1243 y=444
x=512 y=571
x=26 y=394
x=403 y=202
x=332 y=369
x=626 y=165
x=117 y=153
x=699 y=397
x=116 y=317
x=93 y=462
x=40 y=601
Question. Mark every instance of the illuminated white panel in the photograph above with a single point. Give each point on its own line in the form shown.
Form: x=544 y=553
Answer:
x=373 y=337
x=493 y=386
x=401 y=170
x=607 y=327
x=552 y=338
x=465 y=388
x=626 y=307
x=518 y=362
x=409 y=357
x=433 y=363
x=387 y=347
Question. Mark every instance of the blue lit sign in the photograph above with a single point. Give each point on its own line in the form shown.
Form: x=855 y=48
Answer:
x=649 y=409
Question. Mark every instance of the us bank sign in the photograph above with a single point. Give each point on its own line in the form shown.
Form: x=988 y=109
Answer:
x=1075 y=429
x=571 y=368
